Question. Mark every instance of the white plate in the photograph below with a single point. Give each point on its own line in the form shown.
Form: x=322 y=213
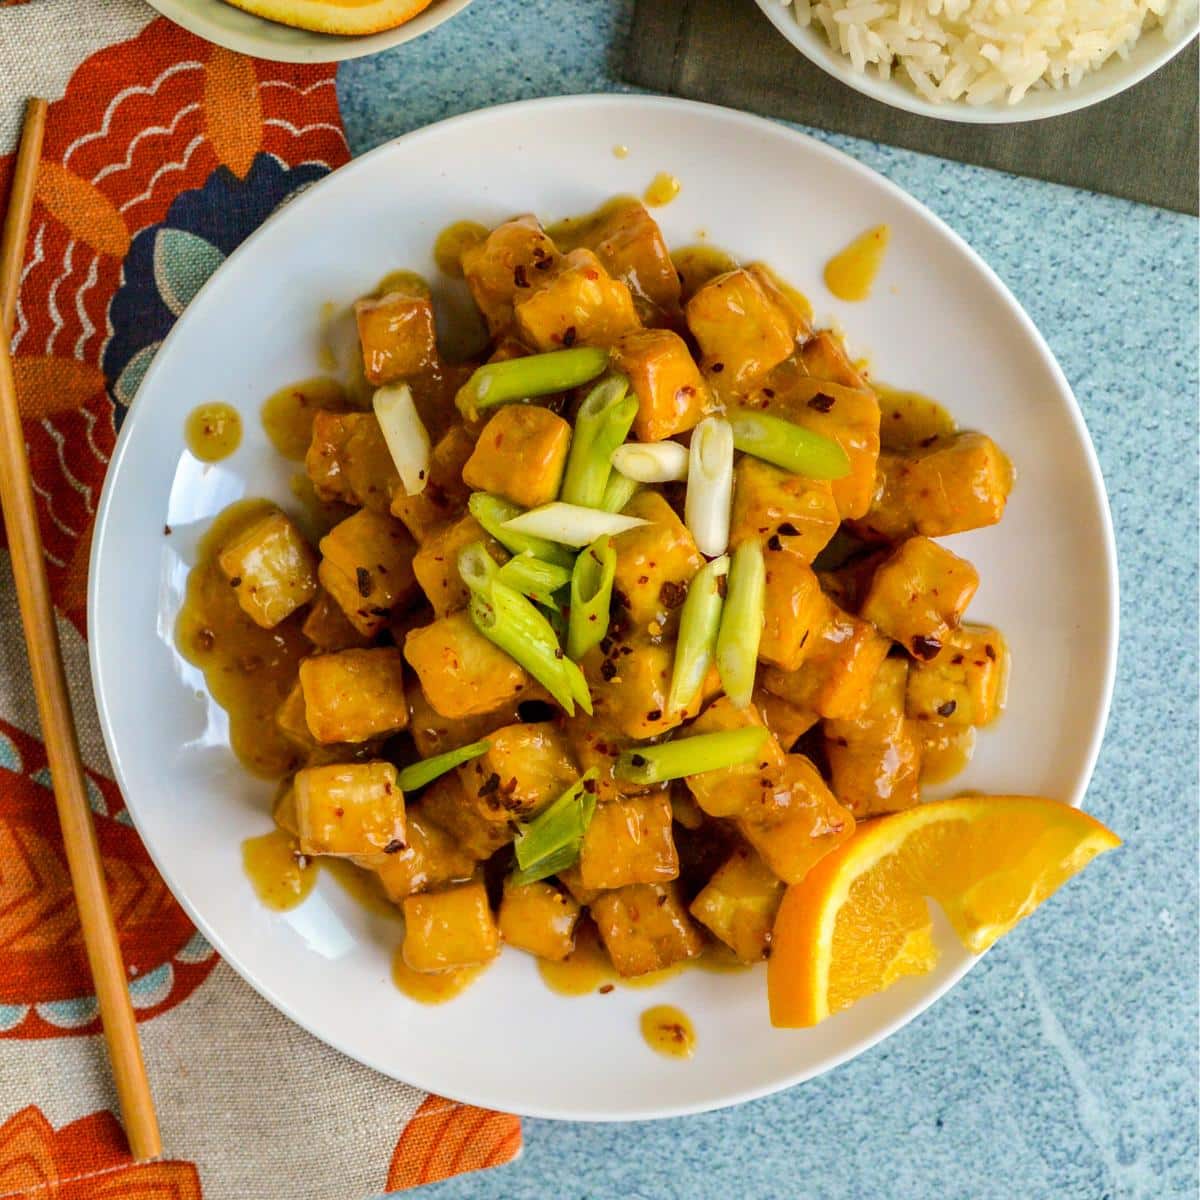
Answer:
x=231 y=27
x=939 y=320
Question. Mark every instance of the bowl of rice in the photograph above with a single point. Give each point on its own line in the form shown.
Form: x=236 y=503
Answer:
x=987 y=61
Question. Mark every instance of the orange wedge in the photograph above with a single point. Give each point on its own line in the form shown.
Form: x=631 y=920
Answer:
x=335 y=16
x=858 y=921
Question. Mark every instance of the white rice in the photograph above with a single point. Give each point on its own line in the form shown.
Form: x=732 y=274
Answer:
x=980 y=51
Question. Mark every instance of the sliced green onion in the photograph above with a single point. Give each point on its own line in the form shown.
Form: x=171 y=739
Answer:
x=601 y=425
x=551 y=841
x=418 y=774
x=618 y=492
x=789 y=446
x=534 y=375
x=742 y=622
x=534 y=578
x=493 y=513
x=476 y=567
x=569 y=524
x=591 y=597
x=699 y=620
x=690 y=755
x=652 y=462
x=404 y=433
x=710 y=486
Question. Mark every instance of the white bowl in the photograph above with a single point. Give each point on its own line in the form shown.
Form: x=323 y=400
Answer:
x=227 y=26
x=938 y=320
x=1153 y=50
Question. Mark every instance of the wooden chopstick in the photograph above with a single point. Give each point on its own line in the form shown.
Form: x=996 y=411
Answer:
x=50 y=686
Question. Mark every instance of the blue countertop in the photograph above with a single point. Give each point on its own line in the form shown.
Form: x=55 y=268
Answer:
x=1064 y=1066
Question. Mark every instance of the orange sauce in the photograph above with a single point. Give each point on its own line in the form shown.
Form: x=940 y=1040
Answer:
x=662 y=189
x=287 y=415
x=452 y=241
x=945 y=751
x=850 y=273
x=401 y=281
x=360 y=885
x=432 y=987
x=213 y=431
x=620 y=151
x=282 y=878
x=907 y=418
x=698 y=264
x=669 y=1030
x=571 y=232
x=585 y=970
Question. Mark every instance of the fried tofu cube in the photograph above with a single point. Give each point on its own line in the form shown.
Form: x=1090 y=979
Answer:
x=741 y=331
x=436 y=564
x=871 y=778
x=790 y=302
x=787 y=722
x=965 y=684
x=655 y=563
x=433 y=733
x=596 y=746
x=445 y=495
x=397 y=335
x=573 y=882
x=272 y=569
x=945 y=749
x=521 y=455
x=781 y=510
x=738 y=904
x=794 y=825
x=576 y=303
x=450 y=928
x=919 y=594
x=430 y=859
x=284 y=812
x=354 y=695
x=367 y=568
x=834 y=679
x=630 y=685
x=628 y=241
x=729 y=791
x=509 y=259
x=884 y=713
x=462 y=674
x=672 y=395
x=474 y=829
x=794 y=610
x=526 y=767
x=289 y=719
x=350 y=810
x=348 y=460
x=629 y=841
x=538 y=918
x=645 y=927
x=824 y=357
x=328 y=628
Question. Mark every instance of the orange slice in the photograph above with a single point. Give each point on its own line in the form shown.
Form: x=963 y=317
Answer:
x=859 y=920
x=335 y=16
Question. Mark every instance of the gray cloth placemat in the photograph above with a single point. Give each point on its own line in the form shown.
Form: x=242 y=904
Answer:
x=1140 y=145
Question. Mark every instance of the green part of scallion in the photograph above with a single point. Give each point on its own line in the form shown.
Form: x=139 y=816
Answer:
x=591 y=596
x=534 y=375
x=551 y=841
x=789 y=446
x=699 y=620
x=690 y=755
x=534 y=578
x=601 y=425
x=618 y=492
x=418 y=774
x=742 y=622
x=493 y=511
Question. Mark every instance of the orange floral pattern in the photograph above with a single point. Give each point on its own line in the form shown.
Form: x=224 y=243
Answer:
x=445 y=1138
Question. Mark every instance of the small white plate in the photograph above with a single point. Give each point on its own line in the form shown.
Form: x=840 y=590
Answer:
x=939 y=321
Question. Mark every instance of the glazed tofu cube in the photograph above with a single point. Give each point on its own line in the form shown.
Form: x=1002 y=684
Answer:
x=945 y=749
x=655 y=563
x=284 y=812
x=645 y=927
x=883 y=716
x=794 y=825
x=520 y=455
x=576 y=303
x=628 y=241
x=824 y=357
x=790 y=302
x=538 y=918
x=727 y=792
x=672 y=395
x=794 y=610
x=271 y=568
x=328 y=628
x=350 y=810
x=436 y=564
x=742 y=332
x=348 y=460
x=875 y=776
x=524 y=769
x=596 y=745
x=445 y=495
x=573 y=882
x=787 y=722
x=462 y=674
x=834 y=679
x=397 y=336
x=919 y=594
x=781 y=510
x=738 y=904
x=511 y=257
x=965 y=684
x=430 y=859
x=434 y=734
x=450 y=928
x=289 y=718
x=630 y=685
x=367 y=568
x=474 y=829
x=354 y=695
x=629 y=841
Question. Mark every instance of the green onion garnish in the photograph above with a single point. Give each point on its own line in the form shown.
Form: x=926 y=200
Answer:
x=534 y=578
x=742 y=622
x=789 y=446
x=690 y=755
x=618 y=492
x=550 y=842
x=591 y=596
x=493 y=513
x=534 y=375
x=699 y=620
x=476 y=567
x=418 y=774
x=601 y=425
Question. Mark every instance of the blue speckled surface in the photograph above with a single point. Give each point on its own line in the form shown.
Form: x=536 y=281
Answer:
x=1065 y=1066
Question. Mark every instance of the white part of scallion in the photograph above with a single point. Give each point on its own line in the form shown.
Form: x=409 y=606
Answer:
x=710 y=486
x=405 y=434
x=652 y=462
x=571 y=524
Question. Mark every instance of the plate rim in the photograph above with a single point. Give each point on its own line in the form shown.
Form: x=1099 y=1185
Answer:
x=711 y=111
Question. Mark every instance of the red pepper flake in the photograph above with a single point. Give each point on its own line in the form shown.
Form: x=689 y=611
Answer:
x=773 y=542
x=236 y=581
x=655 y=714
x=394 y=846
x=490 y=784
x=519 y=276
x=947 y=709
x=957 y=659
x=990 y=651
x=363 y=578
x=166 y=531
x=608 y=670
x=569 y=336
x=925 y=442
x=672 y=594
x=638 y=760
x=605 y=988
x=789 y=530
x=926 y=648
x=717 y=368
x=821 y=402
